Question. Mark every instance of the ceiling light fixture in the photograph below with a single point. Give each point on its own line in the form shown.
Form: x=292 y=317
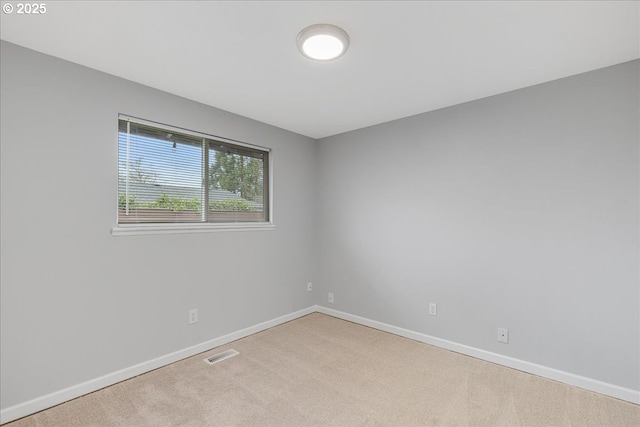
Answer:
x=323 y=42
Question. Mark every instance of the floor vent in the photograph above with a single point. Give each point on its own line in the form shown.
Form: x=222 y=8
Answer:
x=220 y=357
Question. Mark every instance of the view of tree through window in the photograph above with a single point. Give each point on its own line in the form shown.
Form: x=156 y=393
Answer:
x=169 y=176
x=239 y=174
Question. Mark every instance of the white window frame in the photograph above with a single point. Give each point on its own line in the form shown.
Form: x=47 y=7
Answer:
x=204 y=227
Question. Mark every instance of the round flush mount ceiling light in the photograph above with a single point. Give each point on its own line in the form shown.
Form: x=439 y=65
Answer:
x=323 y=42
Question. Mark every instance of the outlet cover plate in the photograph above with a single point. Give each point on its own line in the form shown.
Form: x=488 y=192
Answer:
x=193 y=316
x=503 y=335
x=433 y=309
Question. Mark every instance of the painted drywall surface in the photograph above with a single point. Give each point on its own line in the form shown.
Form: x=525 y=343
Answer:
x=78 y=303
x=517 y=211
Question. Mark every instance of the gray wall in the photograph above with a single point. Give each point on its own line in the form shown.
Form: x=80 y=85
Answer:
x=516 y=211
x=78 y=303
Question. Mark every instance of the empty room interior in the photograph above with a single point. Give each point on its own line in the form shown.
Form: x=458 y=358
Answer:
x=320 y=213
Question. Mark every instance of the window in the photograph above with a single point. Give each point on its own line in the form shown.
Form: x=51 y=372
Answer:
x=168 y=175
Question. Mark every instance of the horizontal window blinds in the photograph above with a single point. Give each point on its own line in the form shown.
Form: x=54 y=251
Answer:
x=168 y=176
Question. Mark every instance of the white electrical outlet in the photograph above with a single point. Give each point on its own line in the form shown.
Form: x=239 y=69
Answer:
x=503 y=335
x=309 y=286
x=193 y=316
x=433 y=309
x=331 y=297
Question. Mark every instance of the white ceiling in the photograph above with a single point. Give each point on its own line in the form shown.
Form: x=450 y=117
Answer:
x=405 y=58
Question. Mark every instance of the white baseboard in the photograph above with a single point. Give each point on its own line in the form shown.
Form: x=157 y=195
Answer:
x=38 y=404
x=612 y=390
x=32 y=406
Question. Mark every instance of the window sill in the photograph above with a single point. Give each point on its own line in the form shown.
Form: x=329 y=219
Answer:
x=139 y=229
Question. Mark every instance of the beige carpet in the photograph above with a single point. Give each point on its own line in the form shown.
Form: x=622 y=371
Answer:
x=323 y=371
